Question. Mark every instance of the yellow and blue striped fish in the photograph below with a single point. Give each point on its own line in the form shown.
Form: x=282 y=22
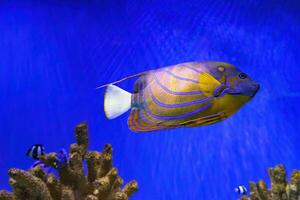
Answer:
x=183 y=95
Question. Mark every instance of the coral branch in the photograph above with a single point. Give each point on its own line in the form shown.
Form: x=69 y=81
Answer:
x=81 y=135
x=54 y=186
x=106 y=160
x=67 y=193
x=35 y=188
x=130 y=188
x=295 y=185
x=101 y=183
x=278 y=180
x=93 y=160
x=280 y=188
x=91 y=197
x=4 y=195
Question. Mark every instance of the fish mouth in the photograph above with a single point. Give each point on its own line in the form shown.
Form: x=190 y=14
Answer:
x=223 y=89
x=233 y=92
x=256 y=88
x=251 y=93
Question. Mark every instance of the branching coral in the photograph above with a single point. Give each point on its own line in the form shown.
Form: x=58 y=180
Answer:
x=101 y=182
x=280 y=188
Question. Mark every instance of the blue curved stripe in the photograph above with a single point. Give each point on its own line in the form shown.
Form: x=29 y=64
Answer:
x=192 y=68
x=181 y=78
x=189 y=114
x=137 y=123
x=157 y=102
x=173 y=92
x=141 y=127
x=147 y=121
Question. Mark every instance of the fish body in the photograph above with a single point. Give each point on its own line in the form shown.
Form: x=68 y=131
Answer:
x=241 y=189
x=35 y=151
x=183 y=95
x=61 y=159
x=41 y=164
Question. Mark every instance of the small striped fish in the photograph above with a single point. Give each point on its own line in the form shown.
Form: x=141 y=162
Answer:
x=241 y=189
x=184 y=95
x=35 y=151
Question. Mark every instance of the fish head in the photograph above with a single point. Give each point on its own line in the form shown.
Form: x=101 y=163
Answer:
x=235 y=81
x=232 y=88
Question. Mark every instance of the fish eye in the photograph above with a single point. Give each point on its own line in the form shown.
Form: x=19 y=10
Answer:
x=242 y=76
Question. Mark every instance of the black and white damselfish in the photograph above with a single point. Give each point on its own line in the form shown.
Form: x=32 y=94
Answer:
x=241 y=189
x=35 y=151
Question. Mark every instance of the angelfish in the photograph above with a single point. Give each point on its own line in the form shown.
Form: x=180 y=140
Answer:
x=183 y=95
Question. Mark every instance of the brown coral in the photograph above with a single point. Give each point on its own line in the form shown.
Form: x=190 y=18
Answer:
x=280 y=188
x=101 y=182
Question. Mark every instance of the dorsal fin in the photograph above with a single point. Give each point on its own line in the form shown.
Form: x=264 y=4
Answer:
x=123 y=79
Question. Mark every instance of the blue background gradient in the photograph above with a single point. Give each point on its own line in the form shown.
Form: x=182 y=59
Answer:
x=53 y=55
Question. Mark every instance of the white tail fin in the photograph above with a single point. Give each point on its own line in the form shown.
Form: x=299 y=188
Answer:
x=116 y=101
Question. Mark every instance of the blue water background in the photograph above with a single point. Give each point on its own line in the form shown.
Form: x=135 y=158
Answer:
x=54 y=53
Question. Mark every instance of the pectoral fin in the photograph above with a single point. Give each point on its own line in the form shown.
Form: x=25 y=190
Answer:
x=207 y=84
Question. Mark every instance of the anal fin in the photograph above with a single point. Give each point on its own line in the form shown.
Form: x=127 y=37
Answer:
x=211 y=119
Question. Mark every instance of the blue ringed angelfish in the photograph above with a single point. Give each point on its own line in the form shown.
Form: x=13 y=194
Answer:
x=183 y=95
